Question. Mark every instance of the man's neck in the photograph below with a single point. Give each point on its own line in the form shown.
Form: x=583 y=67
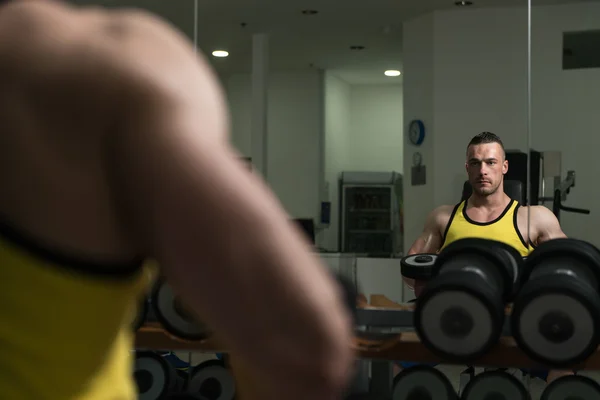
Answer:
x=498 y=199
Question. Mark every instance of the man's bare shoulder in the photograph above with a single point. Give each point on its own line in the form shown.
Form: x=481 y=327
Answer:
x=444 y=211
x=536 y=213
x=441 y=215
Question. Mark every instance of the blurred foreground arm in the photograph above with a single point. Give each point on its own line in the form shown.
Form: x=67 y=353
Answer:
x=225 y=242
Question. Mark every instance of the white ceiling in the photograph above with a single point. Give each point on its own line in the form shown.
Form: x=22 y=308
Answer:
x=298 y=41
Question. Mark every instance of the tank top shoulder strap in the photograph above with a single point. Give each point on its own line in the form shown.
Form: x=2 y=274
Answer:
x=515 y=211
x=457 y=208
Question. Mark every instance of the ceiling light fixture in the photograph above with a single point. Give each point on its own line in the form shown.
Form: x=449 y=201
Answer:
x=392 y=72
x=463 y=3
x=309 y=12
x=220 y=53
x=357 y=47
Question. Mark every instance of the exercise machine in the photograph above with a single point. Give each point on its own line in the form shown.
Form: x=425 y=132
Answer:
x=560 y=195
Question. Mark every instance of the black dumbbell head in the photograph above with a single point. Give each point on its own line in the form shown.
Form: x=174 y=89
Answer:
x=556 y=320
x=575 y=387
x=418 y=266
x=568 y=248
x=496 y=385
x=213 y=380
x=153 y=375
x=508 y=261
x=422 y=382
x=173 y=317
x=458 y=316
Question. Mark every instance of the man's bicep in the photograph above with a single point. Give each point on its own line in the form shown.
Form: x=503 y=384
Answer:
x=548 y=225
x=430 y=239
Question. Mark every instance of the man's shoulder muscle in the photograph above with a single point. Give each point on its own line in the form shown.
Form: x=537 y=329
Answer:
x=443 y=213
x=439 y=218
x=536 y=214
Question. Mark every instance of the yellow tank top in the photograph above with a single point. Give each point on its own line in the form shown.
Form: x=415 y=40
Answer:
x=503 y=229
x=65 y=324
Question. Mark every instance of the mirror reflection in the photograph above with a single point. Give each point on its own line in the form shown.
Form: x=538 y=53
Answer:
x=564 y=87
x=392 y=132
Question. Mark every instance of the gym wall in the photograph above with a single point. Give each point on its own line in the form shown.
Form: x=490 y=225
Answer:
x=338 y=112
x=318 y=126
x=295 y=134
x=465 y=71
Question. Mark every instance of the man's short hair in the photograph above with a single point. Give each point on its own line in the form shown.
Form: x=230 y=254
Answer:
x=486 y=137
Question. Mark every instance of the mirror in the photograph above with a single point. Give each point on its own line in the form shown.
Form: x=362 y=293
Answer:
x=565 y=88
x=359 y=118
x=565 y=71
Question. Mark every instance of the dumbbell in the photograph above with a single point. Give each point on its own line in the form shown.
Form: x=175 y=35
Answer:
x=460 y=313
x=495 y=385
x=154 y=376
x=212 y=380
x=556 y=316
x=572 y=387
x=418 y=266
x=171 y=313
x=422 y=383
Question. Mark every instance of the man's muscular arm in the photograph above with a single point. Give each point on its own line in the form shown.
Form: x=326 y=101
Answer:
x=545 y=225
x=430 y=239
x=224 y=240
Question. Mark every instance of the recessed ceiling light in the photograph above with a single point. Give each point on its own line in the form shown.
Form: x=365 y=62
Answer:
x=309 y=12
x=392 y=72
x=357 y=47
x=220 y=53
x=463 y=3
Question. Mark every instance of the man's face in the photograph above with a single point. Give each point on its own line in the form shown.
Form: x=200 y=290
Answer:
x=486 y=167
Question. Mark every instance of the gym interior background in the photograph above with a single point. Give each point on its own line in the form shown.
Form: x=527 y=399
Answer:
x=319 y=105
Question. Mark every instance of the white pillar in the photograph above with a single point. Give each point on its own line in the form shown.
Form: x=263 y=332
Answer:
x=260 y=86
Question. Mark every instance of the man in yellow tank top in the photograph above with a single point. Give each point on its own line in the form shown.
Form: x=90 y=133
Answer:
x=488 y=213
x=114 y=149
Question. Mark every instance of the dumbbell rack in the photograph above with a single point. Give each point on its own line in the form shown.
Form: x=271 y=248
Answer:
x=384 y=334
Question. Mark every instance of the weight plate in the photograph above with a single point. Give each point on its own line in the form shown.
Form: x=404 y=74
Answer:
x=574 y=387
x=418 y=266
x=458 y=317
x=154 y=376
x=170 y=313
x=571 y=248
x=556 y=320
x=212 y=380
x=141 y=314
x=507 y=259
x=497 y=385
x=186 y=396
x=422 y=382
